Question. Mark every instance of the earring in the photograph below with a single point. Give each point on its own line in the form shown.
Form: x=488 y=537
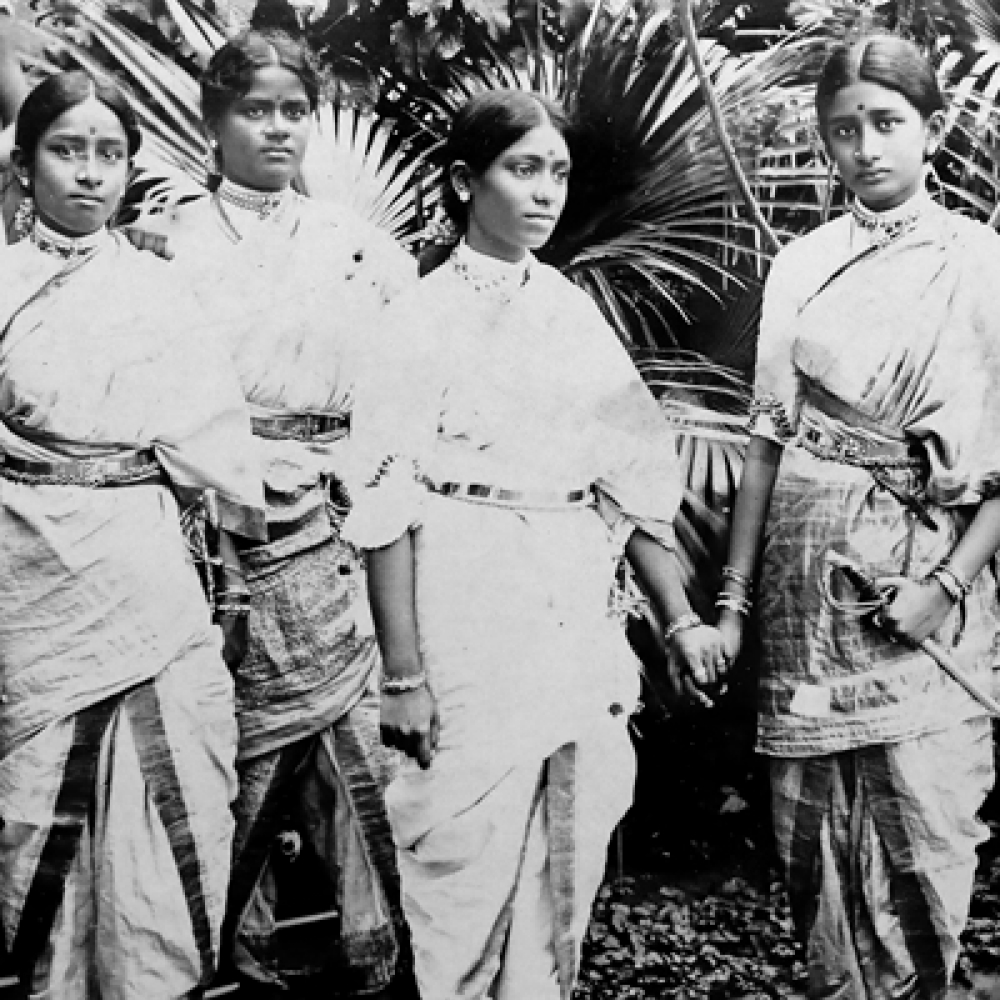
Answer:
x=24 y=218
x=463 y=195
x=212 y=159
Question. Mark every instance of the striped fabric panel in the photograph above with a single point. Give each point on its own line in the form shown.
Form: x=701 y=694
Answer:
x=72 y=808
x=160 y=774
x=560 y=812
x=915 y=902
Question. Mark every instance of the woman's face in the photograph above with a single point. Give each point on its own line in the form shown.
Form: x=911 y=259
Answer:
x=516 y=202
x=263 y=135
x=80 y=169
x=879 y=142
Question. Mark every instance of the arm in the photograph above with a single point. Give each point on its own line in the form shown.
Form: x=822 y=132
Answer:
x=920 y=607
x=409 y=711
x=753 y=500
x=700 y=652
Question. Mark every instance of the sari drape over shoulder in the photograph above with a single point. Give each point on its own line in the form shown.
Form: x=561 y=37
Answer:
x=99 y=591
x=870 y=349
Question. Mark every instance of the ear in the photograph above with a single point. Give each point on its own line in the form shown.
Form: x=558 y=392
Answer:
x=935 y=130
x=461 y=179
x=22 y=169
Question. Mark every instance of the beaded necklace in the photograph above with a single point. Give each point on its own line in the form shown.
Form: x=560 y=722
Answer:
x=490 y=274
x=66 y=247
x=884 y=227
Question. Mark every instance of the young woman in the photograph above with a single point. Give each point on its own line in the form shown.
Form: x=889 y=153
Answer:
x=514 y=454
x=121 y=432
x=295 y=289
x=876 y=440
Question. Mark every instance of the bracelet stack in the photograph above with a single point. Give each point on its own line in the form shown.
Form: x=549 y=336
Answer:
x=402 y=685
x=681 y=624
x=952 y=584
x=735 y=599
x=234 y=602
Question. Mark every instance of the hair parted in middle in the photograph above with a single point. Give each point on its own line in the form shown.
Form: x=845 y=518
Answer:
x=888 y=60
x=58 y=94
x=231 y=70
x=487 y=124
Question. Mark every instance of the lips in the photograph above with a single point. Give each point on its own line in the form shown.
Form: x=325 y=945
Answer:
x=276 y=151
x=87 y=200
x=871 y=176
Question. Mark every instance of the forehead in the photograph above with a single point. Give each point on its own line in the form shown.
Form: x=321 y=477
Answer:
x=275 y=83
x=89 y=118
x=865 y=97
x=543 y=141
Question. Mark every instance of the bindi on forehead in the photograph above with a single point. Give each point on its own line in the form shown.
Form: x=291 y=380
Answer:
x=861 y=107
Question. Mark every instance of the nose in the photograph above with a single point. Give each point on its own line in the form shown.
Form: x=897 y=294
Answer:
x=88 y=173
x=275 y=125
x=547 y=189
x=868 y=147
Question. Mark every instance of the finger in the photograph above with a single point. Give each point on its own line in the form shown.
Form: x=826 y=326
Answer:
x=696 y=694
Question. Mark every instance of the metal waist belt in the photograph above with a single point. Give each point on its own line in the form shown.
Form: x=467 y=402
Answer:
x=882 y=454
x=479 y=493
x=301 y=426
x=130 y=470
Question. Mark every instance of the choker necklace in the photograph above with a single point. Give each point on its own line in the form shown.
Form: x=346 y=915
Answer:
x=884 y=227
x=490 y=274
x=264 y=204
x=66 y=247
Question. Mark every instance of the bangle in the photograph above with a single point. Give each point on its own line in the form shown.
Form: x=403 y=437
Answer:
x=948 y=582
x=682 y=624
x=944 y=567
x=734 y=603
x=402 y=685
x=730 y=573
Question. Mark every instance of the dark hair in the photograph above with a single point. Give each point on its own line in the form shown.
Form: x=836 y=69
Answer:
x=888 y=60
x=486 y=125
x=230 y=73
x=57 y=95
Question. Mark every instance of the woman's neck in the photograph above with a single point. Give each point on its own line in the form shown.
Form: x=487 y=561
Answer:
x=263 y=204
x=48 y=240
x=890 y=223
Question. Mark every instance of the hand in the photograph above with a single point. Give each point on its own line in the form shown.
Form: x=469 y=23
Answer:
x=697 y=659
x=918 y=609
x=410 y=723
x=234 y=639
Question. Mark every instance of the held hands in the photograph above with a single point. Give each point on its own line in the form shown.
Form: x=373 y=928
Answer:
x=410 y=723
x=698 y=658
x=918 y=609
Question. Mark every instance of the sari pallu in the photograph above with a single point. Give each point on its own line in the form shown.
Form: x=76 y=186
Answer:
x=101 y=606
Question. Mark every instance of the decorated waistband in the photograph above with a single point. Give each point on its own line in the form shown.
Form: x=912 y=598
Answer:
x=866 y=454
x=302 y=426
x=134 y=469
x=497 y=496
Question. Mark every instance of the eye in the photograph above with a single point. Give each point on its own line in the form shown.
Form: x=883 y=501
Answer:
x=844 y=132
x=253 y=111
x=113 y=155
x=561 y=175
x=296 y=112
x=522 y=170
x=886 y=124
x=62 y=150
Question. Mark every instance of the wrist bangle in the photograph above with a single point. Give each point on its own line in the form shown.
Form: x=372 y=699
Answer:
x=733 y=602
x=948 y=582
x=401 y=685
x=735 y=576
x=682 y=624
x=944 y=567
